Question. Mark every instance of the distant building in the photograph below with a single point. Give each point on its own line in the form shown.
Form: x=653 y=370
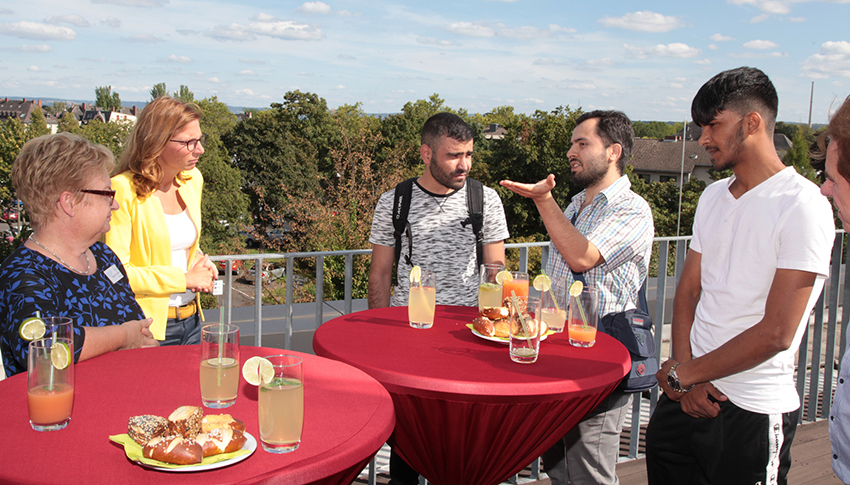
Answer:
x=661 y=160
x=494 y=132
x=20 y=109
x=106 y=116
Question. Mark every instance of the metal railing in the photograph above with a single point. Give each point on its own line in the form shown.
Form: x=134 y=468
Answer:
x=816 y=369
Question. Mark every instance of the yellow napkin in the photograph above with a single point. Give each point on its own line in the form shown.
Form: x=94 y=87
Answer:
x=134 y=452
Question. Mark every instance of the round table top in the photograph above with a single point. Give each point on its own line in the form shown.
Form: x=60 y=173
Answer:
x=448 y=361
x=347 y=418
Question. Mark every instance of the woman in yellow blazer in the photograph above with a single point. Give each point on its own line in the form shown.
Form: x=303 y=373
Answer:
x=156 y=231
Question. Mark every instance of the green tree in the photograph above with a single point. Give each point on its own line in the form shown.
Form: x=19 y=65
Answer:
x=798 y=156
x=13 y=135
x=655 y=129
x=106 y=99
x=183 y=94
x=56 y=109
x=223 y=199
x=158 y=90
x=68 y=123
x=534 y=147
x=38 y=125
x=112 y=135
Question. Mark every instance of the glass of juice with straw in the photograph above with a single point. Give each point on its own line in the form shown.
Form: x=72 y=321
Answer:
x=517 y=283
x=219 y=367
x=50 y=383
x=583 y=315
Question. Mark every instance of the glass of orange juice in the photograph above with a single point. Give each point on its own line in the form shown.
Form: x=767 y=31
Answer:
x=281 y=405
x=50 y=383
x=518 y=284
x=219 y=365
x=583 y=317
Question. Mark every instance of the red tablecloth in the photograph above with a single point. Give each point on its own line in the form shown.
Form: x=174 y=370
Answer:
x=347 y=417
x=465 y=413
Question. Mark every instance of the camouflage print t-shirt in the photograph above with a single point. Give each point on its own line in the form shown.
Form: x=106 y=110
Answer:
x=440 y=242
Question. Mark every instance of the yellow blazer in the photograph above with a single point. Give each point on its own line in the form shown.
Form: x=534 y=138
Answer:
x=139 y=236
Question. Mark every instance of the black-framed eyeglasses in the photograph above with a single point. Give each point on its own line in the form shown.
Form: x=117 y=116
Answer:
x=105 y=193
x=191 y=145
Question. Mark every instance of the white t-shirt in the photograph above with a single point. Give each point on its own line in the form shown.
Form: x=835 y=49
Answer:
x=783 y=223
x=183 y=234
x=442 y=243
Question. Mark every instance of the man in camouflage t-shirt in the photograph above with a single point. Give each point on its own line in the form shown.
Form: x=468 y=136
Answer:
x=443 y=239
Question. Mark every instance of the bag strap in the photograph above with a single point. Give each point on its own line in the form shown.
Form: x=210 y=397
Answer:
x=642 y=305
x=475 y=206
x=401 y=209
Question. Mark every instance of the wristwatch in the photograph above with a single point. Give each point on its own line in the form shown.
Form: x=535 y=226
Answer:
x=673 y=380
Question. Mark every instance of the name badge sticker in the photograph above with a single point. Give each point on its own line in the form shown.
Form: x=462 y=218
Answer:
x=114 y=274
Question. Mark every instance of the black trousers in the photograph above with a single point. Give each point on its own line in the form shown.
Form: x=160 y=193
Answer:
x=736 y=447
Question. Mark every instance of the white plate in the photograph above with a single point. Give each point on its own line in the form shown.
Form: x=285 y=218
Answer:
x=250 y=444
x=501 y=340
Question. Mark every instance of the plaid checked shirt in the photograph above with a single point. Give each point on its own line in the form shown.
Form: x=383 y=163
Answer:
x=619 y=223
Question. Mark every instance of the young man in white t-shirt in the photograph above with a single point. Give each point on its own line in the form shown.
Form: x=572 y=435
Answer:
x=757 y=263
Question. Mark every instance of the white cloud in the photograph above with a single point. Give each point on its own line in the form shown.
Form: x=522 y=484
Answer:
x=213 y=80
x=759 y=18
x=247 y=72
x=74 y=20
x=265 y=25
x=760 y=44
x=547 y=61
x=797 y=19
x=33 y=68
x=676 y=49
x=144 y=39
x=339 y=87
x=179 y=59
x=643 y=21
x=135 y=3
x=832 y=60
x=703 y=62
x=112 y=22
x=470 y=29
x=252 y=61
x=434 y=41
x=780 y=7
x=758 y=55
x=581 y=85
x=720 y=38
x=606 y=62
x=314 y=8
x=712 y=47
x=532 y=100
x=37 y=31
x=558 y=28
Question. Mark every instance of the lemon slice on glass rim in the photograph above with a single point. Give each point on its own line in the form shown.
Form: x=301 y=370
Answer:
x=32 y=328
x=504 y=276
x=415 y=274
x=542 y=282
x=258 y=370
x=575 y=288
x=60 y=355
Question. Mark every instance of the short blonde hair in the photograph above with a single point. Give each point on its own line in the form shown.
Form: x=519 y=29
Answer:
x=158 y=122
x=51 y=164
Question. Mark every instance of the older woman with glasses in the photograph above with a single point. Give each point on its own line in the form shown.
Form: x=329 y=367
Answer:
x=62 y=270
x=157 y=230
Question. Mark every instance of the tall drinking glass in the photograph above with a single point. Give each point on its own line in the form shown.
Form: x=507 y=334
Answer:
x=60 y=327
x=281 y=405
x=553 y=305
x=422 y=300
x=50 y=383
x=583 y=316
x=519 y=285
x=219 y=365
x=524 y=343
x=489 y=291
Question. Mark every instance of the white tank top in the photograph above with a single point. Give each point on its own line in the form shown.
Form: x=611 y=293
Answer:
x=183 y=234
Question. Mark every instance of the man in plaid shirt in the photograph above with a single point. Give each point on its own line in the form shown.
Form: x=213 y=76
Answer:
x=605 y=233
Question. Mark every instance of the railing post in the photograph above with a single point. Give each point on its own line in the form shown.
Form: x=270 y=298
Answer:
x=290 y=260
x=320 y=289
x=349 y=272
x=258 y=301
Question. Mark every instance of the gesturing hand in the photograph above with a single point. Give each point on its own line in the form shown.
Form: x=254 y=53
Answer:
x=537 y=191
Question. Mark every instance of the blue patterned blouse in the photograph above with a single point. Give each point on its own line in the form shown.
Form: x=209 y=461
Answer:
x=30 y=282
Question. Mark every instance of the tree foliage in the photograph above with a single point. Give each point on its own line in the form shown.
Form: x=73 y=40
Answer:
x=158 y=90
x=184 y=94
x=13 y=135
x=655 y=129
x=106 y=99
x=38 y=125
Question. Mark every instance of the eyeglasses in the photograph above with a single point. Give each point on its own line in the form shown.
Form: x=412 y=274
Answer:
x=105 y=193
x=191 y=145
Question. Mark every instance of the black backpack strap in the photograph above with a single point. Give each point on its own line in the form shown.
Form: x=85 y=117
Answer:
x=475 y=205
x=401 y=208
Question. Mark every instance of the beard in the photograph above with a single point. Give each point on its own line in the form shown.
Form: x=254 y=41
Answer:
x=733 y=149
x=593 y=170
x=446 y=179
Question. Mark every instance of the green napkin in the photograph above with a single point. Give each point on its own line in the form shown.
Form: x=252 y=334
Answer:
x=471 y=327
x=134 y=452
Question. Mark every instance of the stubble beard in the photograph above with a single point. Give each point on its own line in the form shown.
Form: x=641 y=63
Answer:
x=593 y=171
x=446 y=179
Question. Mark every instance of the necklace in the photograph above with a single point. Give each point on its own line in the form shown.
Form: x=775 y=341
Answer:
x=75 y=270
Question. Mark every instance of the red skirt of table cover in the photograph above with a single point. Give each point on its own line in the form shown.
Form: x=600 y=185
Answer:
x=465 y=413
x=347 y=417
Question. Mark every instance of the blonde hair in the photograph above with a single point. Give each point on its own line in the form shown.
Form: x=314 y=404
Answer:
x=51 y=164
x=838 y=132
x=159 y=121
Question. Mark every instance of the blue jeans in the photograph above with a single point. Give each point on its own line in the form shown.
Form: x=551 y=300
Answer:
x=183 y=331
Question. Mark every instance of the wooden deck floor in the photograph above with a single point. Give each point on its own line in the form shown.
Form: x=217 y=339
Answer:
x=810 y=453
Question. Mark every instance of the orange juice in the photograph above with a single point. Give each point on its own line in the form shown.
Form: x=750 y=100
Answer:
x=581 y=335
x=518 y=286
x=50 y=405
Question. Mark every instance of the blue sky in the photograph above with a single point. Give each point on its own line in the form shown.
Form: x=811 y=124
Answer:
x=645 y=58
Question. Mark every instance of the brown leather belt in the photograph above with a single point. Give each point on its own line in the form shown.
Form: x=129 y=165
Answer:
x=181 y=312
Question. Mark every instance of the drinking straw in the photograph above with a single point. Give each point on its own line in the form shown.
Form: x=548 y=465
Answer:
x=580 y=309
x=551 y=293
x=217 y=290
x=521 y=319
